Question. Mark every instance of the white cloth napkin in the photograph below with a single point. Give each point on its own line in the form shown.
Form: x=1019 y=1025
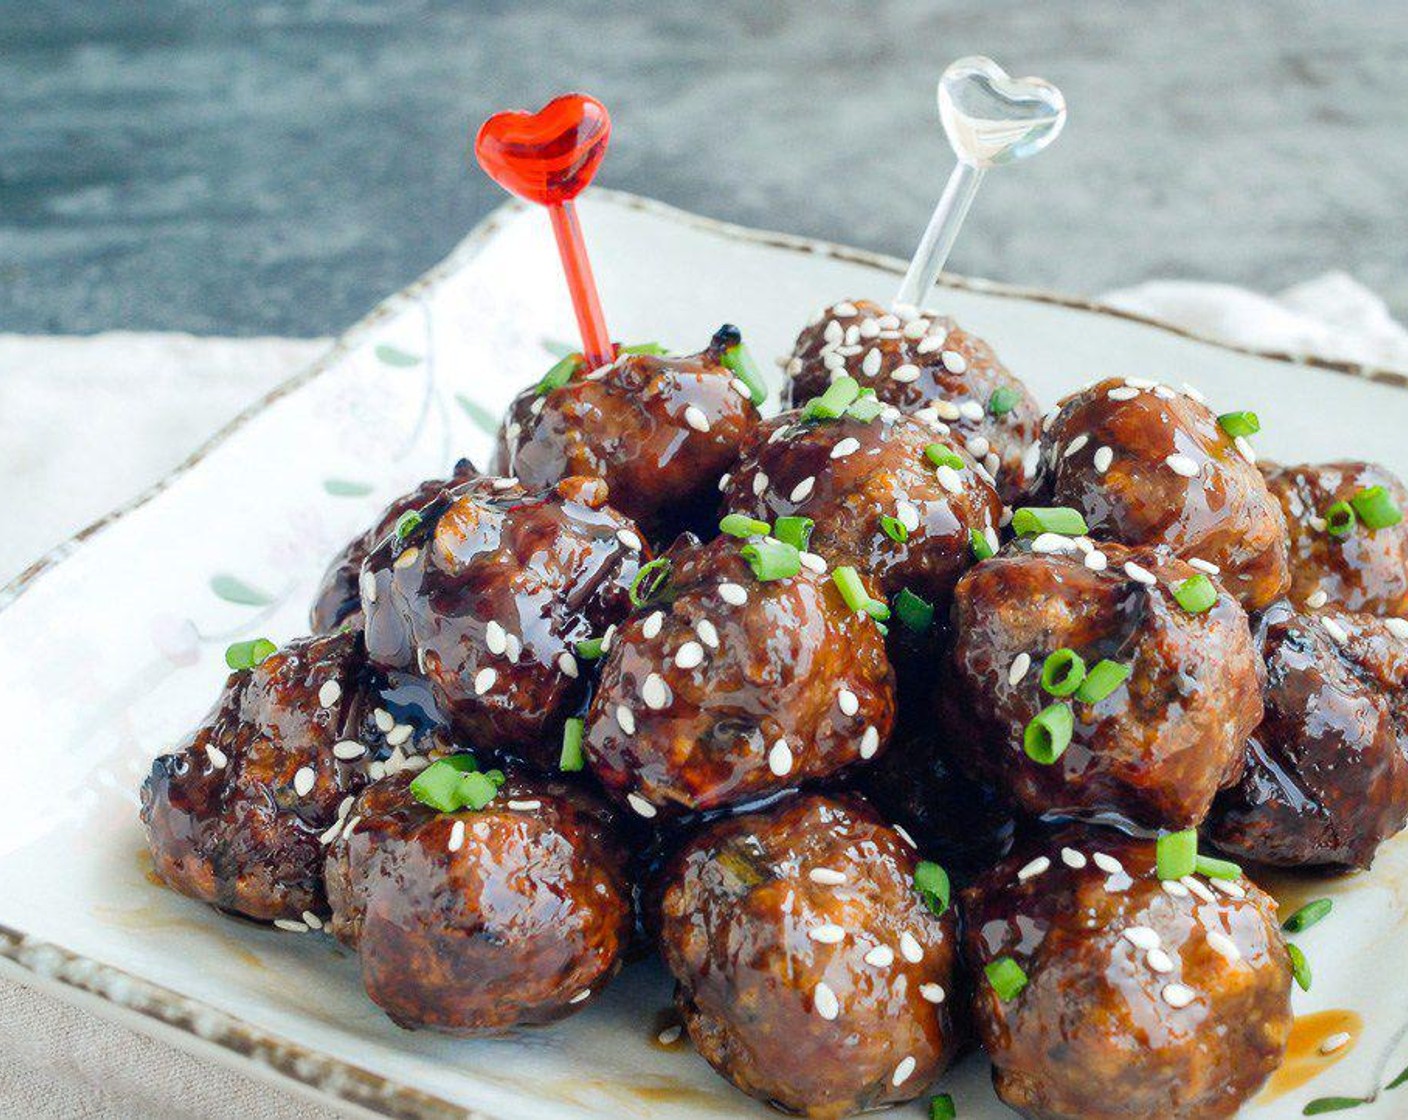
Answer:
x=88 y=423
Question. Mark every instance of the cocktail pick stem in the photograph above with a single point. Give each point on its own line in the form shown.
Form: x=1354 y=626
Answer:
x=989 y=119
x=591 y=323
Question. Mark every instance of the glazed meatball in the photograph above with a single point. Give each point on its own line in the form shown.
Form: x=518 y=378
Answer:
x=1362 y=570
x=846 y=475
x=811 y=973
x=476 y=922
x=235 y=816
x=733 y=687
x=1151 y=749
x=1147 y=466
x=487 y=597
x=1102 y=993
x=924 y=363
x=659 y=430
x=1327 y=771
x=338 y=600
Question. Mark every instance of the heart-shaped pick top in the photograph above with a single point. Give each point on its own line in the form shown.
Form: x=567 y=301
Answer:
x=549 y=156
x=991 y=118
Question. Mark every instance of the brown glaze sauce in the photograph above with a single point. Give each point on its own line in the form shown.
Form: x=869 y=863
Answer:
x=1304 y=1060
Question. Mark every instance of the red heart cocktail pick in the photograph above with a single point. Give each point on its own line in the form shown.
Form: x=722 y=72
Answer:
x=549 y=157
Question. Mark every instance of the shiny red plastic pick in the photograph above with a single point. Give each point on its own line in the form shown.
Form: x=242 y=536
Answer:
x=549 y=157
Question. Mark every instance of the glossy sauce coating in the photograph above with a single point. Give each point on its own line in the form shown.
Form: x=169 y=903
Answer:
x=1154 y=751
x=923 y=363
x=732 y=688
x=810 y=971
x=659 y=430
x=473 y=923
x=487 y=598
x=1367 y=570
x=1327 y=771
x=1138 y=1001
x=846 y=475
x=1151 y=466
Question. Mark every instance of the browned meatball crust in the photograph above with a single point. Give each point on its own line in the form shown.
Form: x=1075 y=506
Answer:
x=234 y=816
x=1365 y=570
x=924 y=363
x=659 y=430
x=732 y=687
x=473 y=923
x=338 y=599
x=487 y=597
x=1141 y=998
x=1327 y=771
x=846 y=475
x=1156 y=749
x=810 y=971
x=1147 y=465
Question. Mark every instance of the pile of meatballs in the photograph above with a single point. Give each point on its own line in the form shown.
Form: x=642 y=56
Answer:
x=905 y=720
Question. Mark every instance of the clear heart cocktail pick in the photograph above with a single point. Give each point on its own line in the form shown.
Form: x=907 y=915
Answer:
x=549 y=157
x=990 y=119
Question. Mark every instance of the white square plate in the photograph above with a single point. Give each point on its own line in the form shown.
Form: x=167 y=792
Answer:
x=110 y=649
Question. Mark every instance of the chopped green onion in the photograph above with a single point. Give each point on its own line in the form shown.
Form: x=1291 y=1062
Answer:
x=654 y=349
x=1308 y=915
x=848 y=582
x=1102 y=680
x=438 y=784
x=1176 y=854
x=772 y=559
x=979 y=543
x=737 y=360
x=941 y=1107
x=571 y=758
x=894 y=528
x=476 y=790
x=1376 y=508
x=931 y=881
x=246 y=655
x=915 y=612
x=1006 y=977
x=590 y=649
x=1340 y=519
x=650 y=581
x=1003 y=400
x=877 y=610
x=1195 y=594
x=560 y=374
x=1218 y=868
x=867 y=407
x=741 y=525
x=406 y=524
x=942 y=455
x=1049 y=734
x=794 y=530
x=1031 y=520
x=1239 y=423
x=832 y=404
x=1062 y=672
x=1300 y=967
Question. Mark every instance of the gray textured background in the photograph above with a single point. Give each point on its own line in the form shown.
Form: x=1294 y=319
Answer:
x=278 y=166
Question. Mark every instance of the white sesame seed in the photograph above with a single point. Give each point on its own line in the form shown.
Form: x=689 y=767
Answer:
x=329 y=694
x=654 y=692
x=946 y=410
x=846 y=700
x=1075 y=445
x=689 y=656
x=827 y=934
x=1176 y=995
x=825 y=1002
x=1072 y=858
x=495 y=638
x=1142 y=937
x=845 y=447
x=903 y=1071
x=1182 y=465
x=1195 y=887
x=504 y=483
x=904 y=835
x=407 y=558
x=1204 y=565
x=367 y=582
x=1228 y=887
x=826 y=876
x=1398 y=627
x=350 y=826
x=311 y=920
x=670 y=1035
x=844 y=310
x=1018 y=669
x=812 y=562
x=585 y=994
x=1192 y=392
x=780 y=758
x=526 y=806
x=1223 y=944
x=953 y=361
x=907 y=513
x=905 y=374
x=1104 y=456
x=1335 y=1042
x=833 y=332
x=1138 y=574
x=484 y=680
x=882 y=956
x=869 y=742
x=707 y=633
x=331 y=834
x=304 y=780
x=607 y=638
x=384 y=720
x=216 y=756
x=567 y=664
x=348 y=749
x=970 y=410
x=1158 y=960
x=1175 y=888
x=934 y=993
x=1335 y=630
x=1096 y=561
x=889 y=322
x=733 y=594
x=629 y=539
x=803 y=489
x=948 y=479
x=290 y=926
x=978 y=446
x=929 y=343
x=625 y=719
x=724 y=481
x=760 y=482
x=870 y=364
x=695 y=418
x=1052 y=542
x=835 y=363
x=651 y=626
x=1317 y=599
x=640 y=805
x=1033 y=869
x=1316 y=523
x=1245 y=449
x=916 y=329
x=910 y=948
x=1107 y=863
x=344 y=806
x=740 y=386
x=456 y=836
x=399 y=735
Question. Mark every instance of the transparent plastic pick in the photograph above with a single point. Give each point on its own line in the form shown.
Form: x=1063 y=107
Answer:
x=990 y=119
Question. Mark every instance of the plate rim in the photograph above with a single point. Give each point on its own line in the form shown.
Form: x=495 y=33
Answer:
x=138 y=1002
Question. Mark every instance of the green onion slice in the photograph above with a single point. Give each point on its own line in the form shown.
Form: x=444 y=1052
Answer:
x=476 y=790
x=650 y=581
x=560 y=374
x=738 y=361
x=1218 y=868
x=931 y=881
x=941 y=1107
x=1239 y=423
x=1049 y=734
x=1031 y=520
x=571 y=758
x=1340 y=519
x=1308 y=915
x=1003 y=400
x=406 y=524
x=1176 y=854
x=1300 y=967
x=894 y=528
x=741 y=525
x=589 y=649
x=832 y=404
x=1102 y=680
x=246 y=655
x=1195 y=594
x=772 y=559
x=438 y=784
x=979 y=544
x=794 y=530
x=1376 y=507
x=848 y=582
x=1006 y=977
x=914 y=611
x=1062 y=672
x=942 y=455
x=867 y=407
x=654 y=349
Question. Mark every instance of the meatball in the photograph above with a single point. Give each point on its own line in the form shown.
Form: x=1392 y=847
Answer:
x=920 y=362
x=735 y=687
x=1102 y=993
x=1147 y=465
x=1363 y=570
x=854 y=478
x=338 y=600
x=811 y=973
x=475 y=922
x=236 y=816
x=1161 y=721
x=1327 y=771
x=659 y=430
x=487 y=596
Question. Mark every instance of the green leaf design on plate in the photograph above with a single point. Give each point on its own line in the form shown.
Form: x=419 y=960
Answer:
x=1331 y=1104
x=393 y=356
x=234 y=590
x=479 y=414
x=557 y=348
x=1401 y=1079
x=345 y=488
